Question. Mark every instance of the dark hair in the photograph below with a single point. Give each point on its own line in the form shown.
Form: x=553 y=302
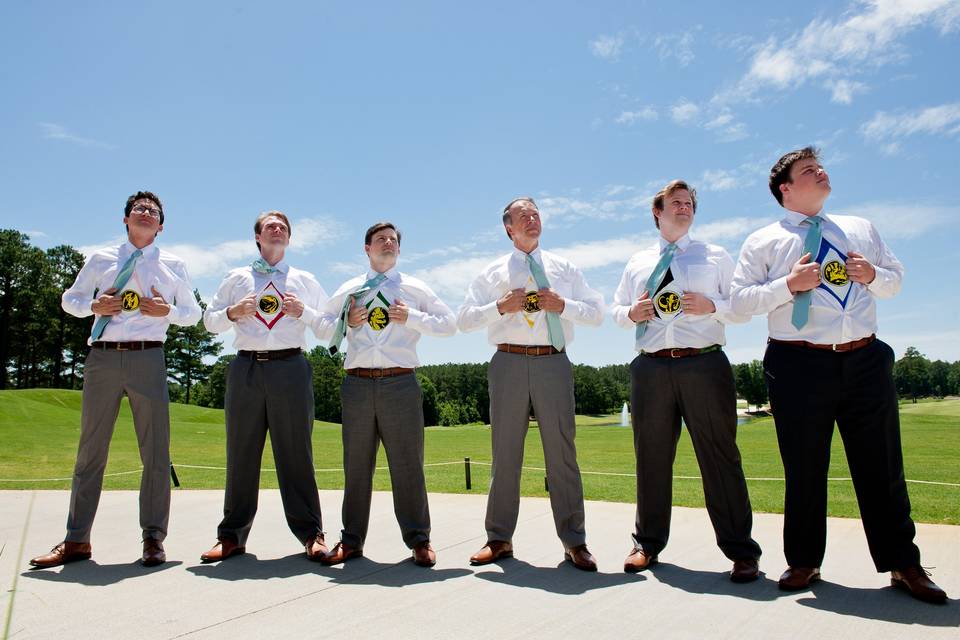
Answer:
x=380 y=226
x=506 y=209
x=780 y=172
x=673 y=185
x=143 y=195
x=271 y=214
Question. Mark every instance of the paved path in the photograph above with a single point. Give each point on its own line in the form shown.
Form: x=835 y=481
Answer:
x=274 y=592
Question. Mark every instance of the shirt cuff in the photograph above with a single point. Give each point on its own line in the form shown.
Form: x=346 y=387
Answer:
x=490 y=313
x=570 y=310
x=781 y=291
x=309 y=316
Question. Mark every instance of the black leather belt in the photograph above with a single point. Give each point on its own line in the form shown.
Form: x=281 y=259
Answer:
x=388 y=372
x=681 y=352
x=139 y=345
x=276 y=354
x=853 y=345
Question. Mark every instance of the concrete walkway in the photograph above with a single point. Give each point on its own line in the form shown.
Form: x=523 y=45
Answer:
x=274 y=592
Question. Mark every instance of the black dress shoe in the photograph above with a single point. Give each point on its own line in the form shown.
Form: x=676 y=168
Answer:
x=797 y=578
x=745 y=570
x=153 y=553
x=914 y=580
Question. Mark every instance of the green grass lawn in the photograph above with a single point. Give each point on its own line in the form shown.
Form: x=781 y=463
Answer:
x=39 y=429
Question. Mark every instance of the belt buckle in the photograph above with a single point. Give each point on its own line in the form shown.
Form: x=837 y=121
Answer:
x=673 y=352
x=376 y=373
x=121 y=347
x=261 y=356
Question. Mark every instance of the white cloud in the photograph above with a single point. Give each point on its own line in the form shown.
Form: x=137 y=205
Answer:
x=675 y=45
x=53 y=131
x=721 y=231
x=607 y=47
x=36 y=234
x=451 y=279
x=904 y=220
x=888 y=128
x=311 y=232
x=629 y=117
x=684 y=111
x=718 y=180
x=864 y=38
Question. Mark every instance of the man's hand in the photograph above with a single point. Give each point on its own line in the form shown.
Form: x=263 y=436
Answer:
x=107 y=304
x=804 y=275
x=859 y=268
x=512 y=301
x=292 y=305
x=642 y=309
x=696 y=304
x=550 y=301
x=155 y=307
x=357 y=314
x=398 y=311
x=243 y=309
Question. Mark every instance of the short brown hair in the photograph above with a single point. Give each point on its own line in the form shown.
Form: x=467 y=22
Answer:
x=780 y=172
x=380 y=226
x=673 y=185
x=142 y=195
x=271 y=214
x=506 y=210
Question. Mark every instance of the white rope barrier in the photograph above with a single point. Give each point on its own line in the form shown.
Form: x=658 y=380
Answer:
x=458 y=462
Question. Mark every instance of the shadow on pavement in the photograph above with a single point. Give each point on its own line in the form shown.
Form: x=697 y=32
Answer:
x=715 y=583
x=563 y=579
x=397 y=574
x=90 y=573
x=886 y=604
x=249 y=567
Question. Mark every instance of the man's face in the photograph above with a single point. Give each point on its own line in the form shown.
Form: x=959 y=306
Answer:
x=384 y=247
x=677 y=214
x=524 y=225
x=809 y=185
x=145 y=216
x=273 y=232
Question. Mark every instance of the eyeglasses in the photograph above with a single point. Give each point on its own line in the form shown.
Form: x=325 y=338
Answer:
x=144 y=210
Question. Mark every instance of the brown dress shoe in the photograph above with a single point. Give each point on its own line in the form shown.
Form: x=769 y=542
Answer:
x=153 y=553
x=491 y=552
x=424 y=555
x=316 y=547
x=581 y=558
x=914 y=580
x=638 y=560
x=63 y=553
x=796 y=578
x=224 y=549
x=745 y=570
x=341 y=553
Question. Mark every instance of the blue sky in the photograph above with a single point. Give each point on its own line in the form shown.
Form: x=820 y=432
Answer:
x=434 y=115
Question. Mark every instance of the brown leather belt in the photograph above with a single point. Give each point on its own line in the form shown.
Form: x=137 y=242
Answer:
x=683 y=352
x=845 y=346
x=389 y=372
x=263 y=356
x=529 y=350
x=139 y=345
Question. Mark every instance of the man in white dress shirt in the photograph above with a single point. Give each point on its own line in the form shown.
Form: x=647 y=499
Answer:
x=675 y=297
x=135 y=291
x=816 y=276
x=382 y=313
x=268 y=304
x=528 y=301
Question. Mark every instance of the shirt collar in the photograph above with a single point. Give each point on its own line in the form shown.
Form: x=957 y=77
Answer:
x=682 y=243
x=520 y=255
x=796 y=219
x=149 y=252
x=393 y=274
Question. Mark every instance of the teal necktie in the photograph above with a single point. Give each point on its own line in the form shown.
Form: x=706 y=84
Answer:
x=554 y=328
x=263 y=267
x=656 y=277
x=811 y=245
x=122 y=277
x=341 y=331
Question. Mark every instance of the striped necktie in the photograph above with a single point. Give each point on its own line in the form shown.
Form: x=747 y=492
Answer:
x=811 y=245
x=122 y=277
x=656 y=277
x=341 y=331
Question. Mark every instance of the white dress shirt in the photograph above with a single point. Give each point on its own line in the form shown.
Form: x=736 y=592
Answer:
x=696 y=267
x=251 y=333
x=154 y=269
x=760 y=279
x=581 y=303
x=395 y=345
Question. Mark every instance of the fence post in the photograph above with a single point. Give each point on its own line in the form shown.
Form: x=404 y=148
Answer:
x=173 y=476
x=466 y=471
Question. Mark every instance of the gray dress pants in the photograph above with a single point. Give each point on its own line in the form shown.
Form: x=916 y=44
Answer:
x=107 y=376
x=516 y=381
x=388 y=410
x=274 y=395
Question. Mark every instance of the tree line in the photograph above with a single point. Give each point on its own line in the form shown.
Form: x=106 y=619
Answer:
x=43 y=346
